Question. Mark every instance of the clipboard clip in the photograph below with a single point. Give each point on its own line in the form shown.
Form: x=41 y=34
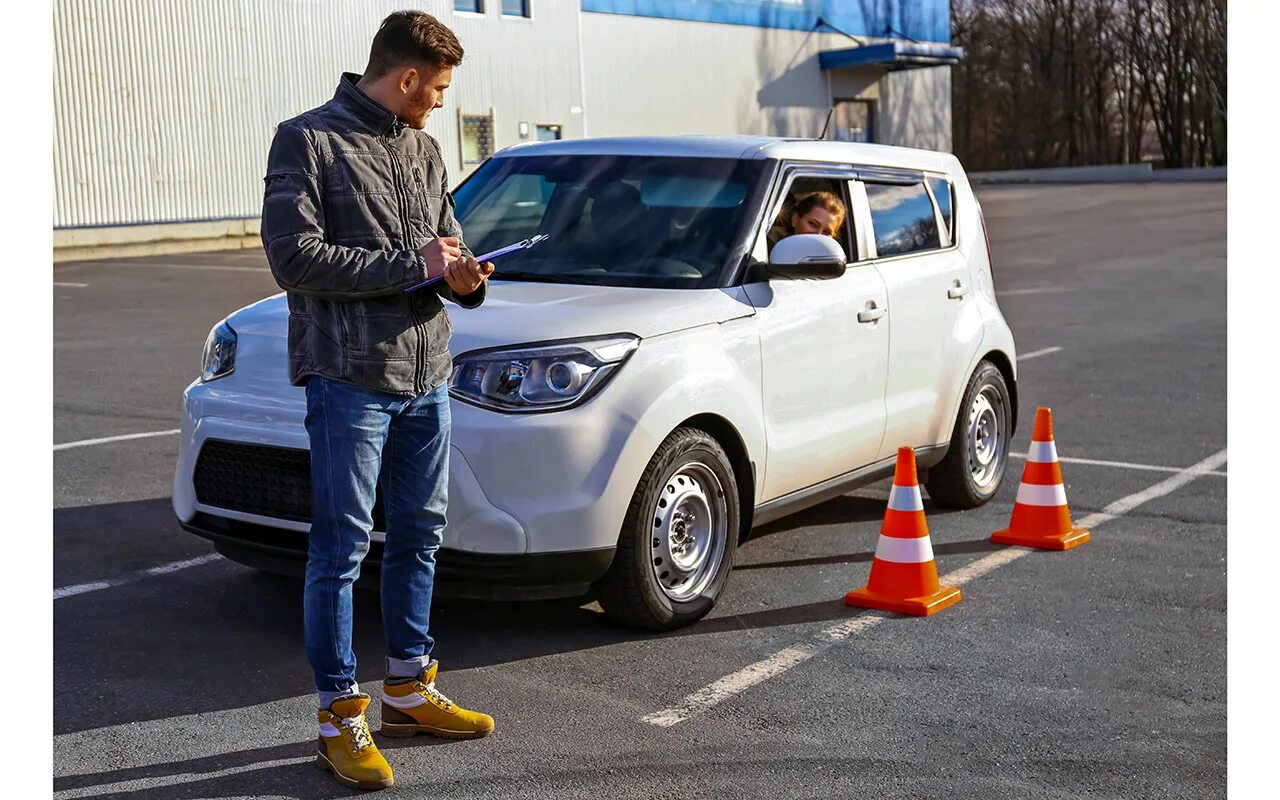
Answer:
x=531 y=242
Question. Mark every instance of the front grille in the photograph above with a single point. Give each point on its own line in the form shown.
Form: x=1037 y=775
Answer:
x=259 y=479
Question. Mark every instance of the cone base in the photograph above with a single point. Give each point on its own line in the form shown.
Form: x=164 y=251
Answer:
x=1054 y=541
x=914 y=606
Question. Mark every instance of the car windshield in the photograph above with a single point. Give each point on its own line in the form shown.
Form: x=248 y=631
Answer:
x=610 y=220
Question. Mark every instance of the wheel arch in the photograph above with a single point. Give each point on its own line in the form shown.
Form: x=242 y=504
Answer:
x=727 y=435
x=1003 y=363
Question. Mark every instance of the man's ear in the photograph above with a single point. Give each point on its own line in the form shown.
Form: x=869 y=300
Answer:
x=409 y=80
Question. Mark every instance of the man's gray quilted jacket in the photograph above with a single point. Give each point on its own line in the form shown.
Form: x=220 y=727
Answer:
x=352 y=193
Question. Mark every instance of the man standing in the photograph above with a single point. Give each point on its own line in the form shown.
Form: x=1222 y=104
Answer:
x=356 y=210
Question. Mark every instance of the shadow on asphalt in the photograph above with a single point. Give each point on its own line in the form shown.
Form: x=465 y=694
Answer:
x=842 y=510
x=134 y=535
x=983 y=545
x=224 y=636
x=301 y=779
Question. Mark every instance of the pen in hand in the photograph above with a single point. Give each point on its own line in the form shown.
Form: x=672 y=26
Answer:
x=484 y=264
x=438 y=254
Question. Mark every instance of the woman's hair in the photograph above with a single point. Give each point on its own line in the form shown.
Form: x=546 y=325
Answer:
x=812 y=200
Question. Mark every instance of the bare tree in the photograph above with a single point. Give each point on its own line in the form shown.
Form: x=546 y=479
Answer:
x=1067 y=82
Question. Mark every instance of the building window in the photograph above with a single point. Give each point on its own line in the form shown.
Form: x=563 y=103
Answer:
x=902 y=218
x=855 y=121
x=476 y=137
x=469 y=6
x=515 y=8
x=548 y=133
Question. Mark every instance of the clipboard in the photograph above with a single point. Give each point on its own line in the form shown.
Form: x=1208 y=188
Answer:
x=493 y=254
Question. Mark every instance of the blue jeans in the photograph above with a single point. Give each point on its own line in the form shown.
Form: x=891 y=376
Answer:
x=361 y=438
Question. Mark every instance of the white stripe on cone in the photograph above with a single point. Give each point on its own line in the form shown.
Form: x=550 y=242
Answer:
x=1032 y=494
x=905 y=498
x=904 y=551
x=1042 y=453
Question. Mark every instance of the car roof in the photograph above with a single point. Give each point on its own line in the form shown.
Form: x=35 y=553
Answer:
x=743 y=147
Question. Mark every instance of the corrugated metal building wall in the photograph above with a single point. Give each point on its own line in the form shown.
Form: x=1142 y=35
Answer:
x=165 y=111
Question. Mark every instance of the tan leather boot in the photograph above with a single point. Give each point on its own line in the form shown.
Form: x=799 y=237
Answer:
x=346 y=747
x=418 y=707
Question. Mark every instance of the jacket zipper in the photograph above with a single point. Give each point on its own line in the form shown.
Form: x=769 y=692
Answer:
x=413 y=311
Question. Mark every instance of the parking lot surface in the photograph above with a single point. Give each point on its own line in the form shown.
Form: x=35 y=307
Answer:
x=1098 y=672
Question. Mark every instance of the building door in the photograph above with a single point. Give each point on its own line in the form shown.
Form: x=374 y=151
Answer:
x=855 y=121
x=548 y=133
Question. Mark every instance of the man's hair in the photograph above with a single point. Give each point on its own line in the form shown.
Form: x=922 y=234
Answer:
x=409 y=38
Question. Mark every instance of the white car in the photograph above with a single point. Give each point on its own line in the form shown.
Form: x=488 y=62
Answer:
x=642 y=388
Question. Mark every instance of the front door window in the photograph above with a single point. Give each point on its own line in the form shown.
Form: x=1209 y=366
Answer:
x=812 y=204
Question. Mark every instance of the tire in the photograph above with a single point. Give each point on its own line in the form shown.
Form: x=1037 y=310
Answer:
x=978 y=455
x=690 y=474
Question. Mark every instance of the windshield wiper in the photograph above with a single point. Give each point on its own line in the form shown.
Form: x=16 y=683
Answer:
x=516 y=275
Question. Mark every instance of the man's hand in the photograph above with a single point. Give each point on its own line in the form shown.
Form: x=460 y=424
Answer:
x=440 y=253
x=465 y=275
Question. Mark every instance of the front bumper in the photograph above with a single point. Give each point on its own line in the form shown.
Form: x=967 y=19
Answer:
x=481 y=576
x=543 y=504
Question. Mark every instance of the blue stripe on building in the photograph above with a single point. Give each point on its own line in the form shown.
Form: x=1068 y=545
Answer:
x=924 y=20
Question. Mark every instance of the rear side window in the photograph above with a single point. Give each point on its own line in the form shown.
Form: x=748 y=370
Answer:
x=902 y=218
x=941 y=188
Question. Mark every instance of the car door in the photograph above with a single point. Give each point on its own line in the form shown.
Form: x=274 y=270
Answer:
x=824 y=352
x=929 y=286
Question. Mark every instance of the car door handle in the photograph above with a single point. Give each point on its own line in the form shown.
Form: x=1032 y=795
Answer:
x=958 y=290
x=872 y=312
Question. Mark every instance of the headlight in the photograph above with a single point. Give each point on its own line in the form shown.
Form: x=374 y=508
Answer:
x=219 y=352
x=542 y=378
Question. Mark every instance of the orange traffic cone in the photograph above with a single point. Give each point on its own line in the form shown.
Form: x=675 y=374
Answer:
x=1040 y=515
x=904 y=577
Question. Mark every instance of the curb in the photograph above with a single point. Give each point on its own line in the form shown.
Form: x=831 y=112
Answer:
x=1108 y=173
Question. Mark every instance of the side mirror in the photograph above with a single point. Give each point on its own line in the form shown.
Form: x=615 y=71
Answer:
x=807 y=255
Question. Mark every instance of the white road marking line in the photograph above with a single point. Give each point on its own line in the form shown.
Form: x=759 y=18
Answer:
x=776 y=664
x=160 y=265
x=110 y=439
x=738 y=682
x=71 y=285
x=130 y=577
x=1126 y=504
x=149 y=785
x=1121 y=464
x=1038 y=353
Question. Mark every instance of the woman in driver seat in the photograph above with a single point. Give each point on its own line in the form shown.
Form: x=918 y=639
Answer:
x=815 y=212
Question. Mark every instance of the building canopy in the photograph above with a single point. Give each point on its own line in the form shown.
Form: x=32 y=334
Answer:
x=894 y=55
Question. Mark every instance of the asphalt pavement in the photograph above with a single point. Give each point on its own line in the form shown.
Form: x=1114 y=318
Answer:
x=1099 y=672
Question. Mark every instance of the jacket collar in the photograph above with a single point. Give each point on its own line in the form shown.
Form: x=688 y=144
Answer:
x=369 y=111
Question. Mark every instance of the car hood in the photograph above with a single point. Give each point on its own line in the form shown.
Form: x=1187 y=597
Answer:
x=517 y=312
